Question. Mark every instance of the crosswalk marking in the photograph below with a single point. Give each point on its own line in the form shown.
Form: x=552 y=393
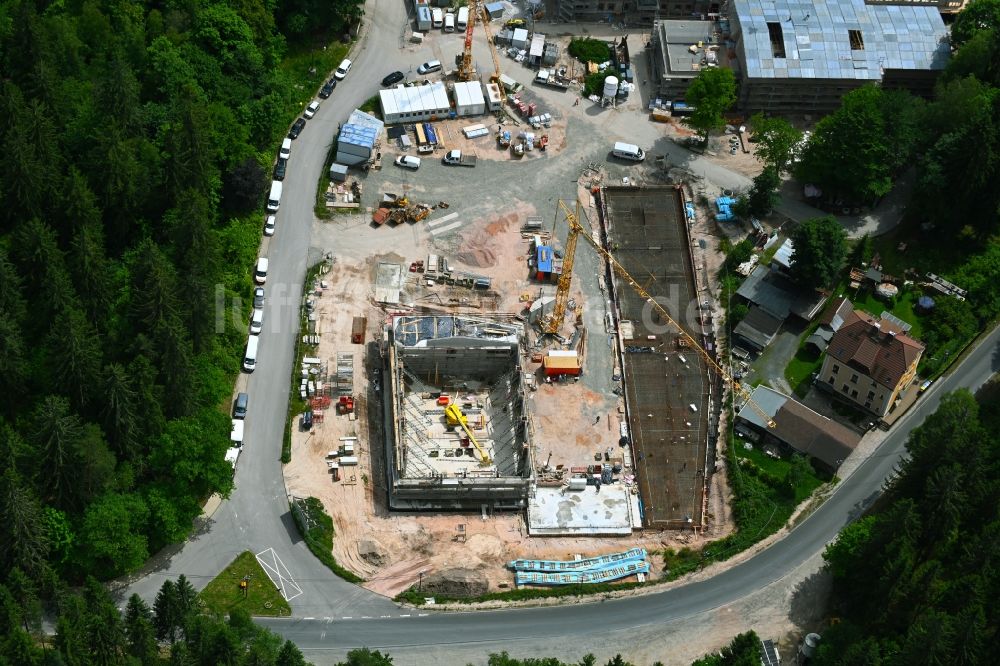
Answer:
x=441 y=230
x=442 y=220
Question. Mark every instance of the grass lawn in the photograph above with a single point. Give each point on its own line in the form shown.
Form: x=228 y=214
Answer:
x=778 y=467
x=799 y=370
x=262 y=598
x=903 y=307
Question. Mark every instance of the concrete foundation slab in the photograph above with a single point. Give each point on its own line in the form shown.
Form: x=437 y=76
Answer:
x=559 y=512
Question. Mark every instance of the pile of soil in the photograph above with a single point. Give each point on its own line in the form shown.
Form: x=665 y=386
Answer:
x=456 y=582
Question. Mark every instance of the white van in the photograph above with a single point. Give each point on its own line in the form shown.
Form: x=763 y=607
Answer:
x=260 y=273
x=437 y=17
x=286 y=149
x=257 y=321
x=250 y=358
x=463 y=18
x=449 y=22
x=236 y=434
x=628 y=151
x=274 y=198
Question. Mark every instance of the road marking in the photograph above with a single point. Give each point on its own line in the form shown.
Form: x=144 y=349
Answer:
x=347 y=617
x=322 y=635
x=407 y=615
x=442 y=220
x=278 y=573
x=441 y=230
x=308 y=618
x=367 y=617
x=384 y=616
x=422 y=614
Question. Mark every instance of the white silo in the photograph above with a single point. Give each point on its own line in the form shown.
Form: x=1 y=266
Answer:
x=610 y=92
x=808 y=648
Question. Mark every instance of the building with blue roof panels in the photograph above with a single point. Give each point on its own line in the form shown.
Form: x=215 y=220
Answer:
x=802 y=56
x=415 y=103
x=357 y=138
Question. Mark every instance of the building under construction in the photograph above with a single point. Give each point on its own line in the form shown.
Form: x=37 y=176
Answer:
x=457 y=433
x=669 y=388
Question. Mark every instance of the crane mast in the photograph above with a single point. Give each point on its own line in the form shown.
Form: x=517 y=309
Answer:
x=465 y=72
x=554 y=323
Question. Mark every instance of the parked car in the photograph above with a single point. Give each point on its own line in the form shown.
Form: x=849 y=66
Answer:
x=258 y=297
x=311 y=109
x=327 y=88
x=270 y=225
x=286 y=148
x=429 y=66
x=297 y=128
x=279 y=169
x=260 y=272
x=343 y=69
x=256 y=321
x=408 y=162
x=306 y=421
x=392 y=79
x=240 y=406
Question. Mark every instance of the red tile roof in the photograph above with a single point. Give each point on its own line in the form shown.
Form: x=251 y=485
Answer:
x=877 y=348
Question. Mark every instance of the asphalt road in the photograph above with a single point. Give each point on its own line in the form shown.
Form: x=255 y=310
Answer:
x=333 y=615
x=256 y=516
x=560 y=625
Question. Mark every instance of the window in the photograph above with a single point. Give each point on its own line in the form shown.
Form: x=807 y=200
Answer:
x=854 y=379
x=830 y=380
x=868 y=405
x=854 y=393
x=777 y=40
x=836 y=368
x=871 y=395
x=844 y=389
x=857 y=41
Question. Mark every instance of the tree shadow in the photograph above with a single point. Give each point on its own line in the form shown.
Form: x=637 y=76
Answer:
x=810 y=602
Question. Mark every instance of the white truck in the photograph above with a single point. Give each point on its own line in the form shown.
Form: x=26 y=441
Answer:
x=456 y=158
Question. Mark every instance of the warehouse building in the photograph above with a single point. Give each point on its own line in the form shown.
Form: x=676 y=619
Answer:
x=469 y=98
x=802 y=56
x=415 y=103
x=358 y=138
x=457 y=430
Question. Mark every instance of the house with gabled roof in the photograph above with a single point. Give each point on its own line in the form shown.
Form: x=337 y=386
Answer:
x=870 y=361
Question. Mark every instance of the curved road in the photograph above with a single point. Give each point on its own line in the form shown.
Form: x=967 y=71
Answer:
x=333 y=615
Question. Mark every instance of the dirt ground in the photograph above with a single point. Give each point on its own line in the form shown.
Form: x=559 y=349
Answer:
x=391 y=551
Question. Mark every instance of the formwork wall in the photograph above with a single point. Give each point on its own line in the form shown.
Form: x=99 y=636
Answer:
x=646 y=230
x=443 y=367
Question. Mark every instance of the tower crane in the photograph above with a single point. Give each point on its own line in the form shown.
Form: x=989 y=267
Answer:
x=465 y=71
x=555 y=321
x=493 y=48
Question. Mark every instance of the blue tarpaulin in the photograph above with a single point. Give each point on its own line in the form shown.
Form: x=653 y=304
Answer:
x=432 y=137
x=544 y=259
x=724 y=204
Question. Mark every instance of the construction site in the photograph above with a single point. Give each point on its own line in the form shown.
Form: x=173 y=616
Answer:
x=534 y=395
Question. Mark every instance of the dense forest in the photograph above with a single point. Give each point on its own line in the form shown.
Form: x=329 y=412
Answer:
x=917 y=582
x=135 y=139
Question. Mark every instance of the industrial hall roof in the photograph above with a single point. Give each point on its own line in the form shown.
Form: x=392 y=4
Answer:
x=877 y=347
x=838 y=39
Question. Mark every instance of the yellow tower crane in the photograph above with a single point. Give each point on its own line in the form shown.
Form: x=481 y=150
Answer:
x=493 y=48
x=555 y=321
x=454 y=417
x=465 y=72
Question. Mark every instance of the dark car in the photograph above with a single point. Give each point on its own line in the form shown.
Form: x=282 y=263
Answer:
x=297 y=127
x=240 y=406
x=327 y=88
x=258 y=297
x=306 y=421
x=393 y=79
x=279 y=169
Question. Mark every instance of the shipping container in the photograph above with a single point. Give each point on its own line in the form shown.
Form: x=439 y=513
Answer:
x=348 y=460
x=358 y=330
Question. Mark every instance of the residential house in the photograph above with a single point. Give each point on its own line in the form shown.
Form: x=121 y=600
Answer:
x=796 y=428
x=772 y=297
x=870 y=361
x=836 y=312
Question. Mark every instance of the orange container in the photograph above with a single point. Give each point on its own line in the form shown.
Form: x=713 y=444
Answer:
x=443 y=400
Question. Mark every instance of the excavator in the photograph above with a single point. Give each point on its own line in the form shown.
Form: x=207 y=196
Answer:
x=454 y=417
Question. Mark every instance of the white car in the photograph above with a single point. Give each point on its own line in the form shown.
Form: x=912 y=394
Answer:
x=429 y=66
x=286 y=149
x=256 y=321
x=270 y=225
x=343 y=69
x=260 y=274
x=408 y=162
x=311 y=109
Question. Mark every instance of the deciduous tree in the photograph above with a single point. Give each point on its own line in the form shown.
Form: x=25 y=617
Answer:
x=712 y=93
x=820 y=251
